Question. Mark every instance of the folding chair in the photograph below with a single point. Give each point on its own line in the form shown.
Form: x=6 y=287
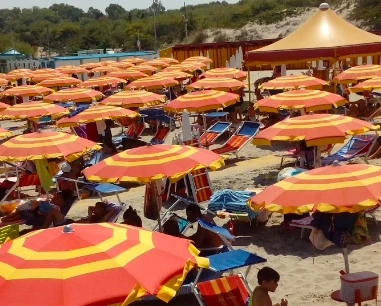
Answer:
x=222 y=232
x=162 y=132
x=80 y=130
x=183 y=223
x=239 y=139
x=9 y=232
x=213 y=132
x=135 y=130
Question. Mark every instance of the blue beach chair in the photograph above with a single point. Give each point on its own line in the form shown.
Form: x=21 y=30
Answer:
x=213 y=132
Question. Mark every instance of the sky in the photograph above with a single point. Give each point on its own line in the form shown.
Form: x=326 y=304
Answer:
x=101 y=4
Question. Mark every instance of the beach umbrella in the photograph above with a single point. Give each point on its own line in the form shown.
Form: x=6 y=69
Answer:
x=127 y=74
x=44 y=145
x=43 y=71
x=102 y=81
x=314 y=129
x=106 y=63
x=33 y=110
x=157 y=63
x=104 y=69
x=3 y=82
x=294 y=82
x=367 y=85
x=153 y=83
x=4 y=132
x=143 y=68
x=134 y=98
x=153 y=162
x=176 y=75
x=169 y=60
x=70 y=265
x=17 y=71
x=223 y=84
x=60 y=81
x=3 y=106
x=37 y=78
x=202 y=101
x=122 y=65
x=71 y=70
x=89 y=66
x=134 y=60
x=225 y=73
x=75 y=95
x=96 y=113
x=310 y=100
x=186 y=67
x=27 y=91
x=357 y=73
x=3 y=75
x=201 y=59
x=19 y=75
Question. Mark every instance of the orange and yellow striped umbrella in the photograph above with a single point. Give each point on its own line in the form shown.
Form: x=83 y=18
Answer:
x=153 y=162
x=33 y=110
x=3 y=82
x=168 y=60
x=223 y=84
x=19 y=75
x=104 y=69
x=44 y=145
x=75 y=95
x=357 y=73
x=201 y=59
x=96 y=113
x=225 y=73
x=37 y=78
x=153 y=83
x=310 y=100
x=17 y=71
x=102 y=81
x=27 y=91
x=202 y=101
x=186 y=67
x=176 y=75
x=2 y=75
x=134 y=98
x=367 y=85
x=59 y=81
x=143 y=68
x=314 y=129
x=294 y=82
x=44 y=71
x=71 y=70
x=331 y=189
x=62 y=263
x=157 y=64
x=89 y=66
x=134 y=60
x=4 y=132
x=122 y=65
x=106 y=63
x=127 y=74
x=3 y=106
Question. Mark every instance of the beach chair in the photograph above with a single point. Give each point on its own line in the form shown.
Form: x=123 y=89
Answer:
x=9 y=232
x=80 y=130
x=135 y=130
x=239 y=139
x=183 y=223
x=213 y=132
x=222 y=232
x=357 y=146
x=162 y=132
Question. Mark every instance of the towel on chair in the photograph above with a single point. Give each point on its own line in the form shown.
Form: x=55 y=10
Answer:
x=43 y=173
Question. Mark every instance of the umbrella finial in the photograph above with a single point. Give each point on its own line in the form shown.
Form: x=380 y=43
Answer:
x=335 y=163
x=324 y=6
x=67 y=229
x=310 y=113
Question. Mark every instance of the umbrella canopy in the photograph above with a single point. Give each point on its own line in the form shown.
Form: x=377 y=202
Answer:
x=225 y=73
x=3 y=82
x=4 y=132
x=153 y=83
x=223 y=84
x=201 y=59
x=89 y=66
x=202 y=101
x=44 y=71
x=316 y=130
x=67 y=262
x=104 y=69
x=37 y=78
x=134 y=98
x=71 y=70
x=75 y=95
x=3 y=106
x=143 y=68
x=157 y=63
x=176 y=75
x=186 y=67
x=331 y=189
x=168 y=60
x=96 y=113
x=33 y=110
x=367 y=85
x=19 y=75
x=59 y=81
x=122 y=65
x=27 y=91
x=44 y=145
x=153 y=162
x=102 y=81
x=106 y=63
x=354 y=74
x=310 y=100
x=17 y=71
x=134 y=60
x=127 y=74
x=294 y=82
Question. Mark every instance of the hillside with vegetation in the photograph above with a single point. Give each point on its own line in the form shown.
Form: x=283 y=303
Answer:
x=65 y=29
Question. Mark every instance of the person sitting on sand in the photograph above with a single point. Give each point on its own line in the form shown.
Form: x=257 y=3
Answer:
x=171 y=227
x=102 y=212
x=268 y=282
x=202 y=238
x=131 y=217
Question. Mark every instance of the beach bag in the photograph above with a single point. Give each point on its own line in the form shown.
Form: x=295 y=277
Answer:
x=357 y=287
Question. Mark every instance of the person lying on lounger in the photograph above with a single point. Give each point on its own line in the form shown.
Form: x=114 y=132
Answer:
x=102 y=211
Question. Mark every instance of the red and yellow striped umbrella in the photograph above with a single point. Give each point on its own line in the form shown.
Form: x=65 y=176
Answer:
x=61 y=264
x=3 y=106
x=44 y=71
x=294 y=82
x=143 y=68
x=176 y=75
x=168 y=60
x=4 y=132
x=104 y=69
x=134 y=98
x=157 y=63
x=153 y=162
x=19 y=75
x=186 y=67
x=3 y=82
x=134 y=60
x=357 y=73
x=44 y=145
x=331 y=189
x=90 y=66
x=102 y=81
x=96 y=113
x=127 y=74
x=75 y=95
x=37 y=78
x=27 y=91
x=33 y=110
x=310 y=100
x=201 y=59
x=17 y=71
x=367 y=85
x=316 y=130
x=59 y=81
x=202 y=101
x=71 y=70
x=153 y=83
x=122 y=65
x=223 y=84
x=106 y=63
x=226 y=73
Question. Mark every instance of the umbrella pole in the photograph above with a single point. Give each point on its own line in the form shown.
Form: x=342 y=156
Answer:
x=318 y=157
x=248 y=80
x=346 y=260
x=205 y=131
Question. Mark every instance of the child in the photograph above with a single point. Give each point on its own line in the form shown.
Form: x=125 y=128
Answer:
x=131 y=217
x=268 y=281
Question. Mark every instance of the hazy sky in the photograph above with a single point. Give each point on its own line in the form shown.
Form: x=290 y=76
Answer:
x=101 y=4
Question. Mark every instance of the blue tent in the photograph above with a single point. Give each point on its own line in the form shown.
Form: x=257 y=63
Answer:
x=11 y=52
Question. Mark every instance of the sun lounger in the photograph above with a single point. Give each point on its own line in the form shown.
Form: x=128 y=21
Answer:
x=80 y=130
x=239 y=139
x=183 y=223
x=135 y=130
x=161 y=133
x=222 y=232
x=213 y=132
x=9 y=232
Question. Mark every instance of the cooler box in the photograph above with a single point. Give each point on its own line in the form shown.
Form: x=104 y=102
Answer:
x=358 y=287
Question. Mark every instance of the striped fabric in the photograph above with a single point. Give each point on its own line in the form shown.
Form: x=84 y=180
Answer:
x=234 y=144
x=203 y=190
x=135 y=130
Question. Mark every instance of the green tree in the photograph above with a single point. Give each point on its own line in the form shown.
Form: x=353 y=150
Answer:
x=115 y=11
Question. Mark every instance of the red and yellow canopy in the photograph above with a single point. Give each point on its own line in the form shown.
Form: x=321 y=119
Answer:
x=153 y=83
x=96 y=113
x=168 y=60
x=59 y=81
x=37 y=78
x=186 y=67
x=3 y=82
x=27 y=91
x=201 y=59
x=33 y=110
x=70 y=265
x=75 y=95
x=3 y=106
x=102 y=81
x=134 y=60
x=226 y=73
x=294 y=82
x=4 y=132
x=71 y=70
x=134 y=98
x=331 y=189
x=104 y=69
x=223 y=84
x=143 y=68
x=357 y=73
x=90 y=66
x=44 y=145
x=367 y=85
x=310 y=100
x=152 y=162
x=202 y=101
x=316 y=130
x=157 y=63
x=122 y=65
x=44 y=71
x=176 y=75
x=127 y=74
